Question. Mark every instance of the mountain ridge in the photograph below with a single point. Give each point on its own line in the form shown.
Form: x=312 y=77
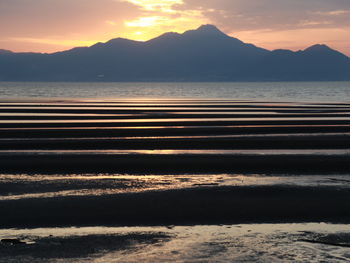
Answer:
x=203 y=54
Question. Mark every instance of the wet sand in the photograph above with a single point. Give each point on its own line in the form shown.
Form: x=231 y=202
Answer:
x=193 y=171
x=175 y=137
x=149 y=162
x=205 y=205
x=285 y=243
x=53 y=136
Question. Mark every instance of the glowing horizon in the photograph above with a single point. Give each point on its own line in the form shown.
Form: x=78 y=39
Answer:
x=55 y=25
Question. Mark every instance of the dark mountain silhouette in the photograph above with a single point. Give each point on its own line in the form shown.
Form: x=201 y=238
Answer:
x=4 y=51
x=204 y=54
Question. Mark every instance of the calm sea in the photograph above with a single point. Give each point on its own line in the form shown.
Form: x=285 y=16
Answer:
x=266 y=91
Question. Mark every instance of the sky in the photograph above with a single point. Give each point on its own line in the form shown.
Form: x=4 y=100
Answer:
x=55 y=25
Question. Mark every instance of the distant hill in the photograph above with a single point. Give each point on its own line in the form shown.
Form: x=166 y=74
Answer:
x=204 y=54
x=4 y=51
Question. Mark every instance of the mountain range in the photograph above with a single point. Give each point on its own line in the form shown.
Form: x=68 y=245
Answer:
x=204 y=54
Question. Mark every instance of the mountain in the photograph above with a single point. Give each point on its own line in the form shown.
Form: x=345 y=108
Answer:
x=4 y=51
x=204 y=54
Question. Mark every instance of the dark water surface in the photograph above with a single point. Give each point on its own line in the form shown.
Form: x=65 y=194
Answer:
x=268 y=91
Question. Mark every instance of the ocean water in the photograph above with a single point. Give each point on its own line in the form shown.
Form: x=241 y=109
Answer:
x=265 y=91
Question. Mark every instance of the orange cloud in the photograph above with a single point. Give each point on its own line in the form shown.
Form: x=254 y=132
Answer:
x=156 y=5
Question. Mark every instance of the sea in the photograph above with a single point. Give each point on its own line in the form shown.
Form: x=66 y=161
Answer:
x=264 y=91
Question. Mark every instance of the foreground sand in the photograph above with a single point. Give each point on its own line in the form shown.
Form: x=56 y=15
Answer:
x=173 y=162
x=175 y=137
x=213 y=205
x=226 y=243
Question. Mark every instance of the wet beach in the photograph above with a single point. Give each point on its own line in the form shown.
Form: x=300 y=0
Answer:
x=163 y=164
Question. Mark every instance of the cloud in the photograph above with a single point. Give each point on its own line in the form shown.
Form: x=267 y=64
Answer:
x=272 y=14
x=156 y=5
x=145 y=21
x=76 y=22
x=274 y=24
x=161 y=16
x=43 y=18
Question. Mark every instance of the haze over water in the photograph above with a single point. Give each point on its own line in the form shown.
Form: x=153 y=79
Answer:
x=266 y=91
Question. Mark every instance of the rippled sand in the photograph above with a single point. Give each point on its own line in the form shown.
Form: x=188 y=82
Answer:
x=197 y=179
x=226 y=243
x=24 y=186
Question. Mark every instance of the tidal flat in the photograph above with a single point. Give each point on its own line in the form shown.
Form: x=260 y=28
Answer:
x=207 y=243
x=188 y=180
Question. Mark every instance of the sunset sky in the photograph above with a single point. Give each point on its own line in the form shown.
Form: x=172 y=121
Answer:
x=53 y=25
